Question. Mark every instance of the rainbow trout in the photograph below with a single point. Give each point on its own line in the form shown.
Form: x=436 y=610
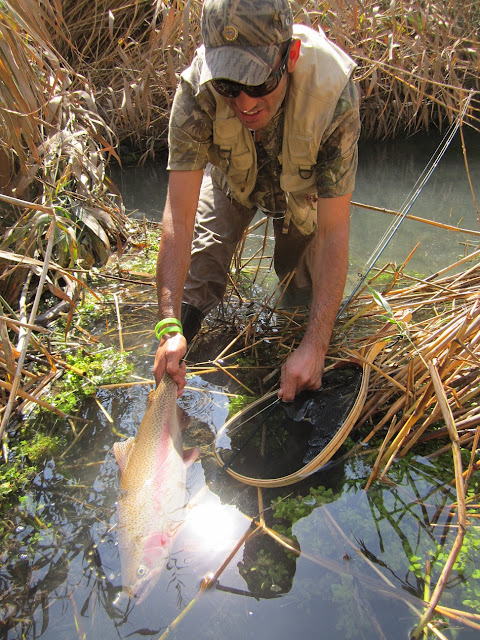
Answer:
x=152 y=491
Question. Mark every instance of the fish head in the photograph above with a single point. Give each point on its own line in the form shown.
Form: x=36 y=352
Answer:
x=143 y=560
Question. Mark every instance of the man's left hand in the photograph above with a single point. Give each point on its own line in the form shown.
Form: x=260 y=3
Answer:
x=302 y=370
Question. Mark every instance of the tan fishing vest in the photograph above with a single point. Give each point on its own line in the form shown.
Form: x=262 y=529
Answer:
x=320 y=75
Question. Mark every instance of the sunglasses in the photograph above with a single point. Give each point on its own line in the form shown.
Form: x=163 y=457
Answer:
x=230 y=89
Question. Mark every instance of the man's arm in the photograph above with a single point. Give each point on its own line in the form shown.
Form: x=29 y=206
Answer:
x=303 y=369
x=172 y=267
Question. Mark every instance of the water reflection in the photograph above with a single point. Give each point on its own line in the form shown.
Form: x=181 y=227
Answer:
x=328 y=546
x=210 y=526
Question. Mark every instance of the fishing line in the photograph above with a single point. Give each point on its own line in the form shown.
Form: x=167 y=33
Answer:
x=250 y=418
x=410 y=200
x=270 y=408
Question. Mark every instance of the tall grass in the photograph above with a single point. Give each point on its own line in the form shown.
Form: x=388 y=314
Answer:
x=59 y=214
x=53 y=146
x=132 y=52
x=416 y=59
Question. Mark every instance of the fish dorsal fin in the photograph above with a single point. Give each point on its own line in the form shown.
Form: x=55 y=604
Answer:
x=123 y=450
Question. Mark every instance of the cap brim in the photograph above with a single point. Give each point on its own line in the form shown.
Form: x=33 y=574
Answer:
x=247 y=65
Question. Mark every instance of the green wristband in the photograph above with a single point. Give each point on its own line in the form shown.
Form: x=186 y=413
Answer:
x=168 y=325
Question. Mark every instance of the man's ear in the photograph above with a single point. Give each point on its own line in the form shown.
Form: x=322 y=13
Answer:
x=293 y=54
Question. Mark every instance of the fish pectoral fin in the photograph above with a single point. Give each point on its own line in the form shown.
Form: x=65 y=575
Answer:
x=123 y=450
x=190 y=455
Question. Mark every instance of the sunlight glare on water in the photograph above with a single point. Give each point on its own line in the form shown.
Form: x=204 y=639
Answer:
x=213 y=526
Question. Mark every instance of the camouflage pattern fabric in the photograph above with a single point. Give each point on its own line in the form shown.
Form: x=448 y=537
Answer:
x=257 y=23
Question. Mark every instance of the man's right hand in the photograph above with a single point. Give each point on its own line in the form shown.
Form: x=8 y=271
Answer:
x=169 y=358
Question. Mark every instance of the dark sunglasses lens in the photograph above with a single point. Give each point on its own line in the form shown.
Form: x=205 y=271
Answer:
x=226 y=88
x=262 y=89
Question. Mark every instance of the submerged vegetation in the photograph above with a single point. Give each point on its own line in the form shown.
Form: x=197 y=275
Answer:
x=85 y=373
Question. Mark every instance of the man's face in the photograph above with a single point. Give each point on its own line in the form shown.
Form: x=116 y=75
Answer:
x=256 y=113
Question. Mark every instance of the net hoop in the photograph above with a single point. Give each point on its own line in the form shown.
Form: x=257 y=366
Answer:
x=329 y=450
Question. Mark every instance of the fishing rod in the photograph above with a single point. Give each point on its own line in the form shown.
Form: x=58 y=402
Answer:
x=410 y=200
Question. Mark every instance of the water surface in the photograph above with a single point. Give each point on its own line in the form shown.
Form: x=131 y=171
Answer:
x=361 y=564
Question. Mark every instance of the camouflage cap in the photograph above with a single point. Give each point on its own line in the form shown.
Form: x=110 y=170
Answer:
x=242 y=38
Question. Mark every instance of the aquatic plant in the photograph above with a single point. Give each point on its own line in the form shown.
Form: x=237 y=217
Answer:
x=237 y=403
x=85 y=373
x=26 y=458
x=288 y=510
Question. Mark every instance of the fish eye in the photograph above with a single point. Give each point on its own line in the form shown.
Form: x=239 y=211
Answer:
x=141 y=571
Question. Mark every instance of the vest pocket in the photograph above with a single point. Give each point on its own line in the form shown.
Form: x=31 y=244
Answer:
x=235 y=167
x=300 y=163
x=232 y=154
x=240 y=166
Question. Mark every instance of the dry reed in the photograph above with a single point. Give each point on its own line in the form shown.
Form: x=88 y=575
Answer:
x=416 y=61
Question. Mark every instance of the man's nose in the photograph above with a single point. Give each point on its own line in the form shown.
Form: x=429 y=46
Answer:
x=244 y=102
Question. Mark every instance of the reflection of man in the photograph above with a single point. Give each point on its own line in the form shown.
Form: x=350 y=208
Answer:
x=273 y=108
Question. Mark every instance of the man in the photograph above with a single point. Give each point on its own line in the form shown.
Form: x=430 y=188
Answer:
x=273 y=110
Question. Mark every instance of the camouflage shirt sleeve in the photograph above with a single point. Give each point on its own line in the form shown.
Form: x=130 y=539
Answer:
x=338 y=157
x=190 y=125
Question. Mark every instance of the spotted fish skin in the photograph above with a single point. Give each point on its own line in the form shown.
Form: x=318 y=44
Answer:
x=152 y=491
